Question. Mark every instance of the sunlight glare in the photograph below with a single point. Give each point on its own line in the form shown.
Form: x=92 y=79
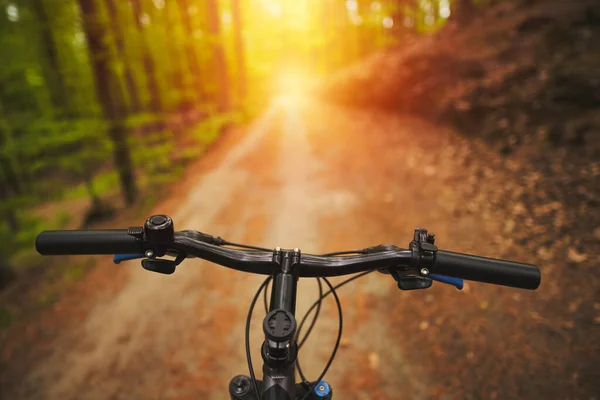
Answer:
x=160 y=4
x=292 y=83
x=388 y=22
x=79 y=39
x=12 y=12
x=226 y=17
x=352 y=5
x=272 y=7
x=145 y=19
x=444 y=9
x=356 y=19
x=376 y=6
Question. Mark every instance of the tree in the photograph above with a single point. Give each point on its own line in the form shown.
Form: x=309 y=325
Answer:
x=463 y=11
x=166 y=40
x=109 y=95
x=190 y=50
x=51 y=71
x=148 y=62
x=239 y=48
x=10 y=184
x=134 y=98
x=218 y=56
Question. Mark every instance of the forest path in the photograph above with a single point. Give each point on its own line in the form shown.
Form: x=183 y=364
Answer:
x=302 y=175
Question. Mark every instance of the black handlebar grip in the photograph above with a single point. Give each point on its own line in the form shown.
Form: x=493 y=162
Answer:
x=110 y=241
x=489 y=270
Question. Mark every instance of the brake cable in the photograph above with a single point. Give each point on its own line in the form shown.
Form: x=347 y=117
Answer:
x=316 y=304
x=247 y=339
x=337 y=341
x=312 y=324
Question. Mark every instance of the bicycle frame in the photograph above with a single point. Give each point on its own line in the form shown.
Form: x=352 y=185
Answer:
x=279 y=349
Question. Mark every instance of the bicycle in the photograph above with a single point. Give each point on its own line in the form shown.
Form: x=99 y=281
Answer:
x=413 y=268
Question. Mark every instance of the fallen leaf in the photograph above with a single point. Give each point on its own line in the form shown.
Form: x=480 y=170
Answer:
x=573 y=306
x=575 y=256
x=373 y=360
x=569 y=324
x=429 y=170
x=545 y=253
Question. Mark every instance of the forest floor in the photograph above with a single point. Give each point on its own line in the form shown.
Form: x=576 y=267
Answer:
x=323 y=178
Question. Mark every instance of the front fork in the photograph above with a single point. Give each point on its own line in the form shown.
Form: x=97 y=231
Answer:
x=240 y=388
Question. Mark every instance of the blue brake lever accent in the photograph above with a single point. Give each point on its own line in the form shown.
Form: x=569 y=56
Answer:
x=124 y=257
x=457 y=282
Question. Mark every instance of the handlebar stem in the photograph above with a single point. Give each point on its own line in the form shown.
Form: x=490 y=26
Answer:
x=279 y=350
x=285 y=280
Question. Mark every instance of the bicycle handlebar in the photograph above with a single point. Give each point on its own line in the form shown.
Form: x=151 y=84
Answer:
x=109 y=241
x=413 y=268
x=489 y=270
x=191 y=243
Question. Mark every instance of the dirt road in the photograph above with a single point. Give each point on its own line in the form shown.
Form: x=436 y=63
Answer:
x=320 y=178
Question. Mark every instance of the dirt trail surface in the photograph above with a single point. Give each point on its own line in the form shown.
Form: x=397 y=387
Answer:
x=321 y=178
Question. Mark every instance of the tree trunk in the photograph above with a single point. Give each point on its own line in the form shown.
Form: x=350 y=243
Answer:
x=7 y=274
x=463 y=11
x=111 y=101
x=9 y=215
x=149 y=68
x=9 y=175
x=51 y=71
x=190 y=50
x=239 y=49
x=435 y=6
x=176 y=70
x=9 y=187
x=134 y=97
x=219 y=63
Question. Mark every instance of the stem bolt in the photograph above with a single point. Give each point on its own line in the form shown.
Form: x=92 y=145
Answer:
x=149 y=253
x=424 y=271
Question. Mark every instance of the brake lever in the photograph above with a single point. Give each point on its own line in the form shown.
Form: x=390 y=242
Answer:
x=413 y=282
x=456 y=282
x=118 y=258
x=162 y=266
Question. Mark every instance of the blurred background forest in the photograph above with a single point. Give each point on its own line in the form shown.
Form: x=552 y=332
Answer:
x=106 y=96
x=480 y=118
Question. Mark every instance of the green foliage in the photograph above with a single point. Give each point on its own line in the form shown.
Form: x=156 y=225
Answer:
x=73 y=273
x=62 y=219
x=6 y=318
x=46 y=299
x=103 y=183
